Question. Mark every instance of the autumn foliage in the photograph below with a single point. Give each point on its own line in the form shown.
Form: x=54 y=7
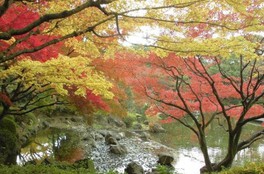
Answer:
x=187 y=82
x=202 y=89
x=18 y=17
x=39 y=71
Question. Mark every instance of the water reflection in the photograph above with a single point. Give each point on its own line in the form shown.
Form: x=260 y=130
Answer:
x=54 y=144
x=188 y=157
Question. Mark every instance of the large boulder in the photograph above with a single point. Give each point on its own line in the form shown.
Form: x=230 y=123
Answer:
x=114 y=121
x=144 y=136
x=137 y=126
x=109 y=139
x=156 y=128
x=118 y=149
x=134 y=168
x=165 y=159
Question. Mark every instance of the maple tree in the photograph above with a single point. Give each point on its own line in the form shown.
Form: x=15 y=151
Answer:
x=202 y=89
x=47 y=46
x=40 y=30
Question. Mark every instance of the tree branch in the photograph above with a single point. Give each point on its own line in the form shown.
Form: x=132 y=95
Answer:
x=5 y=6
x=36 y=108
x=48 y=17
x=247 y=143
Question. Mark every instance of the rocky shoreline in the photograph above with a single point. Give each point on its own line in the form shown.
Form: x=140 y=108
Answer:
x=112 y=146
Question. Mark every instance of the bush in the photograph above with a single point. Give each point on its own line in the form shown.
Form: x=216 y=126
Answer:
x=162 y=169
x=44 y=169
x=9 y=145
x=8 y=123
x=40 y=169
x=130 y=119
x=249 y=168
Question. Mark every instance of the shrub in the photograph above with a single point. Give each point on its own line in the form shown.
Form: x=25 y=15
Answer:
x=162 y=169
x=248 y=168
x=129 y=119
x=8 y=141
x=8 y=147
x=40 y=169
x=8 y=123
x=50 y=169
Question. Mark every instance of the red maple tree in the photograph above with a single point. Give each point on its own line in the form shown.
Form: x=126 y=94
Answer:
x=200 y=88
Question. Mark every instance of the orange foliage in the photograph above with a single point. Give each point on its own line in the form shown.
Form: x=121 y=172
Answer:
x=174 y=85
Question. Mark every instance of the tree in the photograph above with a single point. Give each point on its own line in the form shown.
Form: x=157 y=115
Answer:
x=191 y=87
x=29 y=29
x=46 y=47
x=33 y=75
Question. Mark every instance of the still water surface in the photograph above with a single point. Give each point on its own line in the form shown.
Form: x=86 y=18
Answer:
x=188 y=157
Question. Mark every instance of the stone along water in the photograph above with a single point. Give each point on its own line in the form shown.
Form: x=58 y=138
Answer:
x=189 y=159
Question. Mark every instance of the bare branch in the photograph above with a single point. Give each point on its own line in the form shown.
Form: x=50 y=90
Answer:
x=36 y=108
x=247 y=143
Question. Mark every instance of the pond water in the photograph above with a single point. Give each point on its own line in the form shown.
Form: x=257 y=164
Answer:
x=188 y=157
x=54 y=144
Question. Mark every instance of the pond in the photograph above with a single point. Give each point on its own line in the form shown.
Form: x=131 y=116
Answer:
x=53 y=144
x=63 y=145
x=188 y=157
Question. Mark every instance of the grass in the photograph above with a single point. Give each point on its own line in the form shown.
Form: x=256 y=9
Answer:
x=248 y=168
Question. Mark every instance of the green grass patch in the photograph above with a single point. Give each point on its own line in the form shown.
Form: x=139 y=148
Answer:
x=47 y=169
x=248 y=168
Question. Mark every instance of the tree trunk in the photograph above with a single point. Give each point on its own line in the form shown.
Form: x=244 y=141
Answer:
x=229 y=158
x=203 y=146
x=4 y=111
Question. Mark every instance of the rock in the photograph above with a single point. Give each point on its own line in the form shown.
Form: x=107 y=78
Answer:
x=118 y=149
x=134 y=168
x=165 y=159
x=144 y=136
x=103 y=132
x=120 y=135
x=76 y=119
x=93 y=143
x=146 y=122
x=156 y=128
x=73 y=119
x=109 y=139
x=116 y=135
x=137 y=126
x=45 y=124
x=116 y=122
x=139 y=118
x=98 y=137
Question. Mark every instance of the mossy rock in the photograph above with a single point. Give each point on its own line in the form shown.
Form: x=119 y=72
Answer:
x=8 y=147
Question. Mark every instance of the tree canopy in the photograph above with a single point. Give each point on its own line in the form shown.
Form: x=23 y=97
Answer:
x=55 y=52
